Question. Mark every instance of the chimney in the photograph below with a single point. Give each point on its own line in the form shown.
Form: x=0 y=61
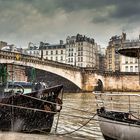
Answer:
x=124 y=36
x=61 y=42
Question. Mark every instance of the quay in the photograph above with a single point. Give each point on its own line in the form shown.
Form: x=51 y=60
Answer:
x=23 y=136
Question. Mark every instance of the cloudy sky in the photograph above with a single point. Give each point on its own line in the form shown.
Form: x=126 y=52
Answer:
x=24 y=21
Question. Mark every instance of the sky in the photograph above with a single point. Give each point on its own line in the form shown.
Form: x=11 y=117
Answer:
x=24 y=21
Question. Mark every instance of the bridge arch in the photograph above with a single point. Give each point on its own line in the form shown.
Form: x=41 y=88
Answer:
x=99 y=85
x=71 y=73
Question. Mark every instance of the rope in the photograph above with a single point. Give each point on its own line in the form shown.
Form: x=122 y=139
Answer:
x=55 y=103
x=89 y=119
x=40 y=110
x=28 y=108
x=79 y=127
x=58 y=114
x=135 y=117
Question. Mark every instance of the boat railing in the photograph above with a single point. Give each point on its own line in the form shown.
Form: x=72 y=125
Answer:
x=119 y=102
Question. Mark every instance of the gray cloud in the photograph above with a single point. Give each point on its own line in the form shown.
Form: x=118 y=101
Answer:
x=40 y=20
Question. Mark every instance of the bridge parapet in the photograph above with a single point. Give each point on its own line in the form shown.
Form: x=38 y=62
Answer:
x=32 y=59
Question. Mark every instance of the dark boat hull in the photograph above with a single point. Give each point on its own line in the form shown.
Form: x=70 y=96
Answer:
x=20 y=120
x=27 y=113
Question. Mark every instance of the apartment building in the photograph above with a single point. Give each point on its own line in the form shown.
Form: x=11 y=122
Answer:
x=32 y=50
x=81 y=51
x=55 y=52
x=113 y=58
x=78 y=50
x=129 y=64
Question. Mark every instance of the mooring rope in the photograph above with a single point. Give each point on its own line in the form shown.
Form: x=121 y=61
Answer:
x=56 y=103
x=40 y=110
x=75 y=116
x=59 y=112
x=27 y=108
x=79 y=127
x=89 y=119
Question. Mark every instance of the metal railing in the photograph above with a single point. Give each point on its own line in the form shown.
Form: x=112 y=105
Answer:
x=119 y=102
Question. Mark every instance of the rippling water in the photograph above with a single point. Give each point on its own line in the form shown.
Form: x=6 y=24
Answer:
x=68 y=122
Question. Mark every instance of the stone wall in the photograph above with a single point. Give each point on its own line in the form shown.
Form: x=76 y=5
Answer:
x=127 y=82
x=111 y=81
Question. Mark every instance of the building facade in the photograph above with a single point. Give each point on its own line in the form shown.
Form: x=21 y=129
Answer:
x=78 y=50
x=129 y=64
x=32 y=50
x=81 y=51
x=113 y=58
x=54 y=52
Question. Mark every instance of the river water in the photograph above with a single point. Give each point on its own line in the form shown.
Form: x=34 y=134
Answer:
x=69 y=121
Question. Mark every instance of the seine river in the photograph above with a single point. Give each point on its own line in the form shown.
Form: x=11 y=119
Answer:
x=70 y=120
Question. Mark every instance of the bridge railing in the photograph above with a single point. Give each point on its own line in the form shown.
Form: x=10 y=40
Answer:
x=32 y=59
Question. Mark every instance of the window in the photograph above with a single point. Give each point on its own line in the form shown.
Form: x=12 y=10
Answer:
x=131 y=60
x=51 y=58
x=81 y=59
x=56 y=51
x=78 y=48
x=51 y=52
x=56 y=58
x=61 y=51
x=61 y=58
x=131 y=68
x=136 y=68
x=78 y=59
x=126 y=60
x=136 y=60
x=78 y=53
x=71 y=59
x=46 y=52
x=126 y=68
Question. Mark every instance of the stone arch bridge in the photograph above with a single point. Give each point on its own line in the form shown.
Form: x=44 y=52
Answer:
x=85 y=79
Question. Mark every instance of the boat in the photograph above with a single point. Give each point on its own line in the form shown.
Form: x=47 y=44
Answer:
x=31 y=112
x=119 y=114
